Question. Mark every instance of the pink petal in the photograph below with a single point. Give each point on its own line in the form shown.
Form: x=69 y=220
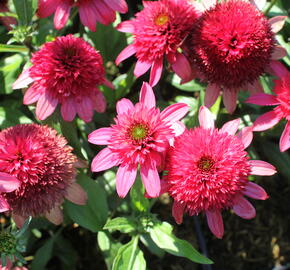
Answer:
x=156 y=71
x=263 y=99
x=103 y=11
x=150 y=179
x=126 y=53
x=4 y=206
x=147 y=96
x=182 y=67
x=101 y=136
x=88 y=16
x=277 y=23
x=178 y=128
x=244 y=208
x=68 y=110
x=266 y=121
x=174 y=112
x=215 y=222
x=279 y=52
x=19 y=220
x=285 y=138
x=141 y=68
x=259 y=167
x=246 y=136
x=55 y=215
x=46 y=7
x=61 y=14
x=85 y=109
x=254 y=191
x=211 y=94
x=126 y=27
x=76 y=194
x=118 y=5
x=205 y=118
x=99 y=102
x=124 y=105
x=230 y=99
x=109 y=84
x=177 y=212
x=45 y=106
x=31 y=95
x=125 y=178
x=278 y=69
x=209 y=3
x=259 y=3
x=255 y=87
x=231 y=127
x=104 y=160
x=23 y=80
x=8 y=183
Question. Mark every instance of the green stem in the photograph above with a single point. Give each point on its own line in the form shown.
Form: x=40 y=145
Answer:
x=273 y=2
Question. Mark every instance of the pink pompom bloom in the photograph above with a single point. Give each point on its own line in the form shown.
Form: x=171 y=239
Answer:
x=90 y=11
x=208 y=171
x=270 y=119
x=231 y=56
x=65 y=71
x=140 y=136
x=159 y=31
x=44 y=165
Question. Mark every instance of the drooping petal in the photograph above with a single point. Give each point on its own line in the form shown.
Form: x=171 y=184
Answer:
x=182 y=67
x=285 y=138
x=124 y=105
x=177 y=212
x=104 y=12
x=126 y=53
x=147 y=96
x=243 y=208
x=211 y=94
x=99 y=102
x=4 y=206
x=31 y=95
x=8 y=183
x=61 y=14
x=255 y=191
x=263 y=99
x=255 y=87
x=19 y=220
x=259 y=3
x=278 y=69
x=126 y=27
x=205 y=117
x=68 y=110
x=178 y=128
x=76 y=194
x=174 y=112
x=23 y=80
x=230 y=99
x=118 y=5
x=55 y=215
x=259 y=167
x=231 y=127
x=266 y=121
x=156 y=71
x=141 y=68
x=45 y=106
x=277 y=23
x=246 y=136
x=88 y=16
x=109 y=84
x=104 y=160
x=215 y=223
x=46 y=7
x=208 y=4
x=85 y=109
x=100 y=136
x=125 y=178
x=279 y=52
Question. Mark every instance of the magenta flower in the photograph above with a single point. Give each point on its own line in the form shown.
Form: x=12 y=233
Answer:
x=231 y=56
x=270 y=119
x=139 y=137
x=91 y=11
x=159 y=31
x=208 y=171
x=65 y=71
x=45 y=167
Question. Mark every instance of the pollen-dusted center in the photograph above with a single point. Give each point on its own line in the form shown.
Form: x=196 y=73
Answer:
x=205 y=163
x=161 y=19
x=138 y=131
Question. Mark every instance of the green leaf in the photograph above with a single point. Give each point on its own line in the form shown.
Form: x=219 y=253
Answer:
x=163 y=237
x=43 y=255
x=148 y=242
x=122 y=224
x=138 y=201
x=130 y=257
x=191 y=86
x=11 y=117
x=94 y=214
x=24 y=10
x=12 y=48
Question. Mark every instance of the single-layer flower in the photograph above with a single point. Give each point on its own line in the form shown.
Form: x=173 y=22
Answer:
x=208 y=169
x=159 y=31
x=45 y=166
x=231 y=56
x=65 y=71
x=90 y=11
x=139 y=137
x=282 y=110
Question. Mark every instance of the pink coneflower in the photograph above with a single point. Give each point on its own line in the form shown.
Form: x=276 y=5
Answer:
x=6 y=20
x=65 y=71
x=270 y=119
x=139 y=137
x=159 y=31
x=91 y=11
x=208 y=171
x=45 y=166
x=231 y=56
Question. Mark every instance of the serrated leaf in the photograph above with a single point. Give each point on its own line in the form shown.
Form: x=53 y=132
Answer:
x=122 y=224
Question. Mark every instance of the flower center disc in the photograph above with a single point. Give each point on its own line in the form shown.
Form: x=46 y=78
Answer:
x=161 y=19
x=205 y=164
x=139 y=132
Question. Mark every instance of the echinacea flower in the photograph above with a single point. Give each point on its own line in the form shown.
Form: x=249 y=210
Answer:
x=7 y=21
x=159 y=31
x=139 y=138
x=282 y=110
x=45 y=166
x=90 y=11
x=208 y=170
x=231 y=56
x=65 y=71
